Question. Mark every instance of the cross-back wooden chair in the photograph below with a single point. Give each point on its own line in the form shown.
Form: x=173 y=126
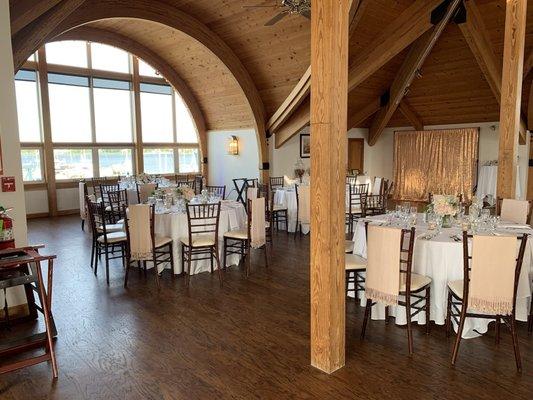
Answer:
x=159 y=250
x=202 y=240
x=217 y=191
x=240 y=241
x=357 y=195
x=458 y=299
x=241 y=187
x=145 y=190
x=412 y=286
x=276 y=182
x=108 y=239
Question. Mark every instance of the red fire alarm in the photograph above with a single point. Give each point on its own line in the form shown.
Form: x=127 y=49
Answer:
x=8 y=184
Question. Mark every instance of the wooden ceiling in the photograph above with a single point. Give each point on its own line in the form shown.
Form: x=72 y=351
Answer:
x=452 y=88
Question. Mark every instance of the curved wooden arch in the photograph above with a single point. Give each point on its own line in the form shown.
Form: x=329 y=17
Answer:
x=34 y=36
x=138 y=50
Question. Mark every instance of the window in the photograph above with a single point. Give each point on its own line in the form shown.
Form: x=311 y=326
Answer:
x=188 y=160
x=112 y=111
x=158 y=161
x=156 y=113
x=73 y=163
x=109 y=58
x=114 y=162
x=70 y=110
x=29 y=120
x=185 y=128
x=31 y=165
x=146 y=69
x=68 y=52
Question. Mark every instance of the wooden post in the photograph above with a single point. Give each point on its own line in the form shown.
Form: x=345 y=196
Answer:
x=329 y=91
x=513 y=64
x=139 y=156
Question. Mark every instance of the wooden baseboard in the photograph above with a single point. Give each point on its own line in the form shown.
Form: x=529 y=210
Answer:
x=60 y=213
x=37 y=215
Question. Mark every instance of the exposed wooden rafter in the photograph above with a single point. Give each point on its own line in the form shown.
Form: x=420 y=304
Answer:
x=409 y=113
x=478 y=39
x=408 y=27
x=363 y=113
x=418 y=53
x=302 y=88
x=23 y=12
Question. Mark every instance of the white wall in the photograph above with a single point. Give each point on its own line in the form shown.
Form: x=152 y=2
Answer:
x=378 y=159
x=223 y=167
x=10 y=145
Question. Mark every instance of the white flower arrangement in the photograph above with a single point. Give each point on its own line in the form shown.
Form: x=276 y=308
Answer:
x=444 y=205
x=186 y=192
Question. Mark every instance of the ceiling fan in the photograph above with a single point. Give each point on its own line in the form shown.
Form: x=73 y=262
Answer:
x=302 y=7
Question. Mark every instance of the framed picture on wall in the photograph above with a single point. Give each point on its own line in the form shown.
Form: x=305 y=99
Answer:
x=305 y=145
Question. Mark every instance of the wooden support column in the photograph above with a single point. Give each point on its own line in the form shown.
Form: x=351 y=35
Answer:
x=513 y=64
x=48 y=155
x=139 y=160
x=329 y=82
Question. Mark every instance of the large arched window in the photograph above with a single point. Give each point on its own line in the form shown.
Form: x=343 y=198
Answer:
x=86 y=114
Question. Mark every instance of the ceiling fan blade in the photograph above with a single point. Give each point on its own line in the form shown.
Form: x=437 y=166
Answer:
x=277 y=18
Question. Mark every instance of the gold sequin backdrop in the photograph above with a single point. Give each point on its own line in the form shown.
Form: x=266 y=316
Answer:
x=440 y=161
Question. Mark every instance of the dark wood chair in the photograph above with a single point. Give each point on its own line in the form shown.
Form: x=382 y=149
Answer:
x=161 y=250
x=238 y=242
x=112 y=243
x=217 y=191
x=189 y=184
x=530 y=318
x=354 y=267
x=241 y=187
x=280 y=213
x=83 y=212
x=144 y=190
x=116 y=202
x=375 y=204
x=457 y=308
x=417 y=287
x=357 y=195
x=202 y=240
x=276 y=182
x=499 y=204
x=181 y=178
x=351 y=179
x=198 y=184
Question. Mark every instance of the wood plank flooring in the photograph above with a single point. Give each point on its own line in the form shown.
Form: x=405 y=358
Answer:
x=248 y=340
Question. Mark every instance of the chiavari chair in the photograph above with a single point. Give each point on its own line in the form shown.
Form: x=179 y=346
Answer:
x=83 y=193
x=189 y=184
x=303 y=207
x=351 y=179
x=375 y=204
x=280 y=213
x=117 y=200
x=377 y=186
x=517 y=211
x=202 y=240
x=412 y=286
x=276 y=182
x=145 y=190
x=181 y=178
x=110 y=242
x=357 y=195
x=354 y=267
x=143 y=244
x=458 y=293
x=198 y=185
x=216 y=191
x=240 y=241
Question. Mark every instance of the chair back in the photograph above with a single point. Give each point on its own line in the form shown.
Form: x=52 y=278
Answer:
x=256 y=222
x=202 y=220
x=389 y=262
x=517 y=211
x=95 y=213
x=140 y=235
x=198 y=184
x=144 y=190
x=217 y=191
x=117 y=199
x=105 y=188
x=189 y=184
x=303 y=203
x=375 y=204
x=491 y=272
x=377 y=186
x=82 y=193
x=357 y=195
x=276 y=182
x=351 y=179
x=181 y=178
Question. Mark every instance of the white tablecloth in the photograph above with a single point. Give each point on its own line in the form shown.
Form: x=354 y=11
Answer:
x=488 y=178
x=287 y=198
x=441 y=259
x=174 y=225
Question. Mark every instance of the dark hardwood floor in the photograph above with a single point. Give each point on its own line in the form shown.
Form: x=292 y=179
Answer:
x=248 y=340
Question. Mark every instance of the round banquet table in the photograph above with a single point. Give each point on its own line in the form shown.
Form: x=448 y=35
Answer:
x=487 y=181
x=441 y=259
x=174 y=225
x=286 y=197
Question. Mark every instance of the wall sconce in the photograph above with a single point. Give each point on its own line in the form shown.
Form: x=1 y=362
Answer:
x=233 y=146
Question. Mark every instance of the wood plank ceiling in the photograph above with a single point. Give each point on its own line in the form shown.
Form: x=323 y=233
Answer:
x=452 y=88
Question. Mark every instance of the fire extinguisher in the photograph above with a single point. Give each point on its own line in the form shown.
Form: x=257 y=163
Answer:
x=6 y=229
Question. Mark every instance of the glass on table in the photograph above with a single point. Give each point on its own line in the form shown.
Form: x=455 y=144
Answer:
x=485 y=214
x=432 y=221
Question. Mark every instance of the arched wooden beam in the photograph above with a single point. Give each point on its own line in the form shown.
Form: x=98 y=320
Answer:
x=115 y=39
x=155 y=11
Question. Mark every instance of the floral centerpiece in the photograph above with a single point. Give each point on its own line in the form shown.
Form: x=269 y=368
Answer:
x=446 y=207
x=145 y=178
x=186 y=192
x=299 y=169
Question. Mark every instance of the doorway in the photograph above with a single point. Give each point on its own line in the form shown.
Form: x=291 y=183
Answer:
x=356 y=155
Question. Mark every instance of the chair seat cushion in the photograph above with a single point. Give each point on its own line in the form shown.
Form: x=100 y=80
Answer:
x=348 y=246
x=162 y=241
x=354 y=262
x=279 y=207
x=111 y=228
x=417 y=282
x=457 y=288
x=199 y=240
x=241 y=234
x=113 y=237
